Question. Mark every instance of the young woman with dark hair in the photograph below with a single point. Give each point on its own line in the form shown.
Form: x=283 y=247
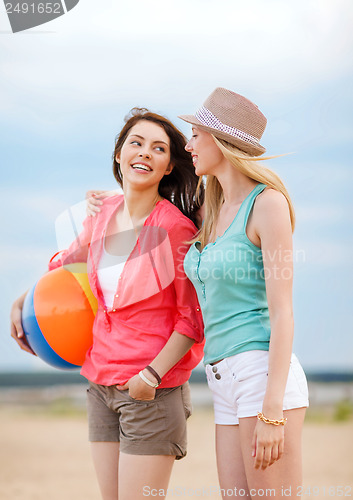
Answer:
x=148 y=331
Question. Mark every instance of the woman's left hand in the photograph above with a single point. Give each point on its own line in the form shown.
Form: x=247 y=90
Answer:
x=267 y=444
x=94 y=199
x=138 y=389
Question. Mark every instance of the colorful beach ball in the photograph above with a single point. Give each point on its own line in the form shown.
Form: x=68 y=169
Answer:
x=58 y=315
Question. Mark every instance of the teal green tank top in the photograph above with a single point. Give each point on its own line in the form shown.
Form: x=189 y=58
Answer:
x=228 y=276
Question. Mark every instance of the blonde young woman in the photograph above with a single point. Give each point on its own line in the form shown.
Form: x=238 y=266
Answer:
x=240 y=263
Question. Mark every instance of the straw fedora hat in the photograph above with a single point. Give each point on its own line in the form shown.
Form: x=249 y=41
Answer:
x=233 y=118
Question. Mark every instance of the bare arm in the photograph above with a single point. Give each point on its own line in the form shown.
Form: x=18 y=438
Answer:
x=175 y=348
x=277 y=250
x=272 y=223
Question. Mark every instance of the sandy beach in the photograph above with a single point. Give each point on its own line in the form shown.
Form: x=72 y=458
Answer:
x=44 y=455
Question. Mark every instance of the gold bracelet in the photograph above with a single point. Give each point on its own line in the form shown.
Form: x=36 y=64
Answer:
x=262 y=417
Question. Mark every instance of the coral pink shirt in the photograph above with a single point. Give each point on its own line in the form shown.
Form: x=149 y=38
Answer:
x=153 y=297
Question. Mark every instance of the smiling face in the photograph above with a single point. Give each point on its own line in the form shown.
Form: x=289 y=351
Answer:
x=206 y=155
x=145 y=155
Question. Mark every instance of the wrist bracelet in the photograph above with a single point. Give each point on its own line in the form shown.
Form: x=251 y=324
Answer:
x=262 y=417
x=154 y=373
x=147 y=381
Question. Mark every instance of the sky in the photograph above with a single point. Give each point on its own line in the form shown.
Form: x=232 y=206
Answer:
x=66 y=86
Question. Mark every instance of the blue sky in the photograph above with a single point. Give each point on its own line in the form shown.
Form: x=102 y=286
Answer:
x=66 y=86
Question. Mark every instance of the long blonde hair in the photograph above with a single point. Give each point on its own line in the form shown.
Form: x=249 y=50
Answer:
x=214 y=195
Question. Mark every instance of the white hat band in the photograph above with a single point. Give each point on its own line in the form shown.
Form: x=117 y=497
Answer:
x=207 y=118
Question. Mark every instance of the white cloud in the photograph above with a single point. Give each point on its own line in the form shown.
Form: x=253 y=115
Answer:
x=117 y=52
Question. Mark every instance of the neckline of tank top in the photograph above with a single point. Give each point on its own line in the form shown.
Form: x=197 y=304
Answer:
x=144 y=224
x=108 y=254
x=122 y=258
x=212 y=243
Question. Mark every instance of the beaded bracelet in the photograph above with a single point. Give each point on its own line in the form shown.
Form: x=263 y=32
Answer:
x=262 y=417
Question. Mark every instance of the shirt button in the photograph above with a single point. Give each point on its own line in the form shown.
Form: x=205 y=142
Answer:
x=119 y=277
x=218 y=376
x=214 y=369
x=198 y=309
x=116 y=295
x=114 y=310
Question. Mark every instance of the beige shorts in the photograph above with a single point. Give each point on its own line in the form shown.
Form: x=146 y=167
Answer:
x=156 y=427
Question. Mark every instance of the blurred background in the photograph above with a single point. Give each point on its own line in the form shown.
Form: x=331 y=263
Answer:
x=65 y=88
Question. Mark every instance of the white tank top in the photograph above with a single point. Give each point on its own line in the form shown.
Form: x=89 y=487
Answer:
x=109 y=270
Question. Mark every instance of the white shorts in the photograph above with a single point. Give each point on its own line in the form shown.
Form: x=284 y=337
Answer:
x=238 y=386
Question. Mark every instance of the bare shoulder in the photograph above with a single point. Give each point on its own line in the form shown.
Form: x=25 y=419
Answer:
x=271 y=199
x=271 y=211
x=271 y=203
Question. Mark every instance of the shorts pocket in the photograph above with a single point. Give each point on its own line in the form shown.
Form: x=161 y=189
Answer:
x=142 y=420
x=254 y=365
x=141 y=401
x=186 y=398
x=160 y=394
x=299 y=376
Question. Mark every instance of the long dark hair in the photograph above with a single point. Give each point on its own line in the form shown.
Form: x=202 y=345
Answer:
x=179 y=187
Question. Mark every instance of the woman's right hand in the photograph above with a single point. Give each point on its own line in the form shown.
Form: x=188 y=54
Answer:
x=17 y=332
x=94 y=200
